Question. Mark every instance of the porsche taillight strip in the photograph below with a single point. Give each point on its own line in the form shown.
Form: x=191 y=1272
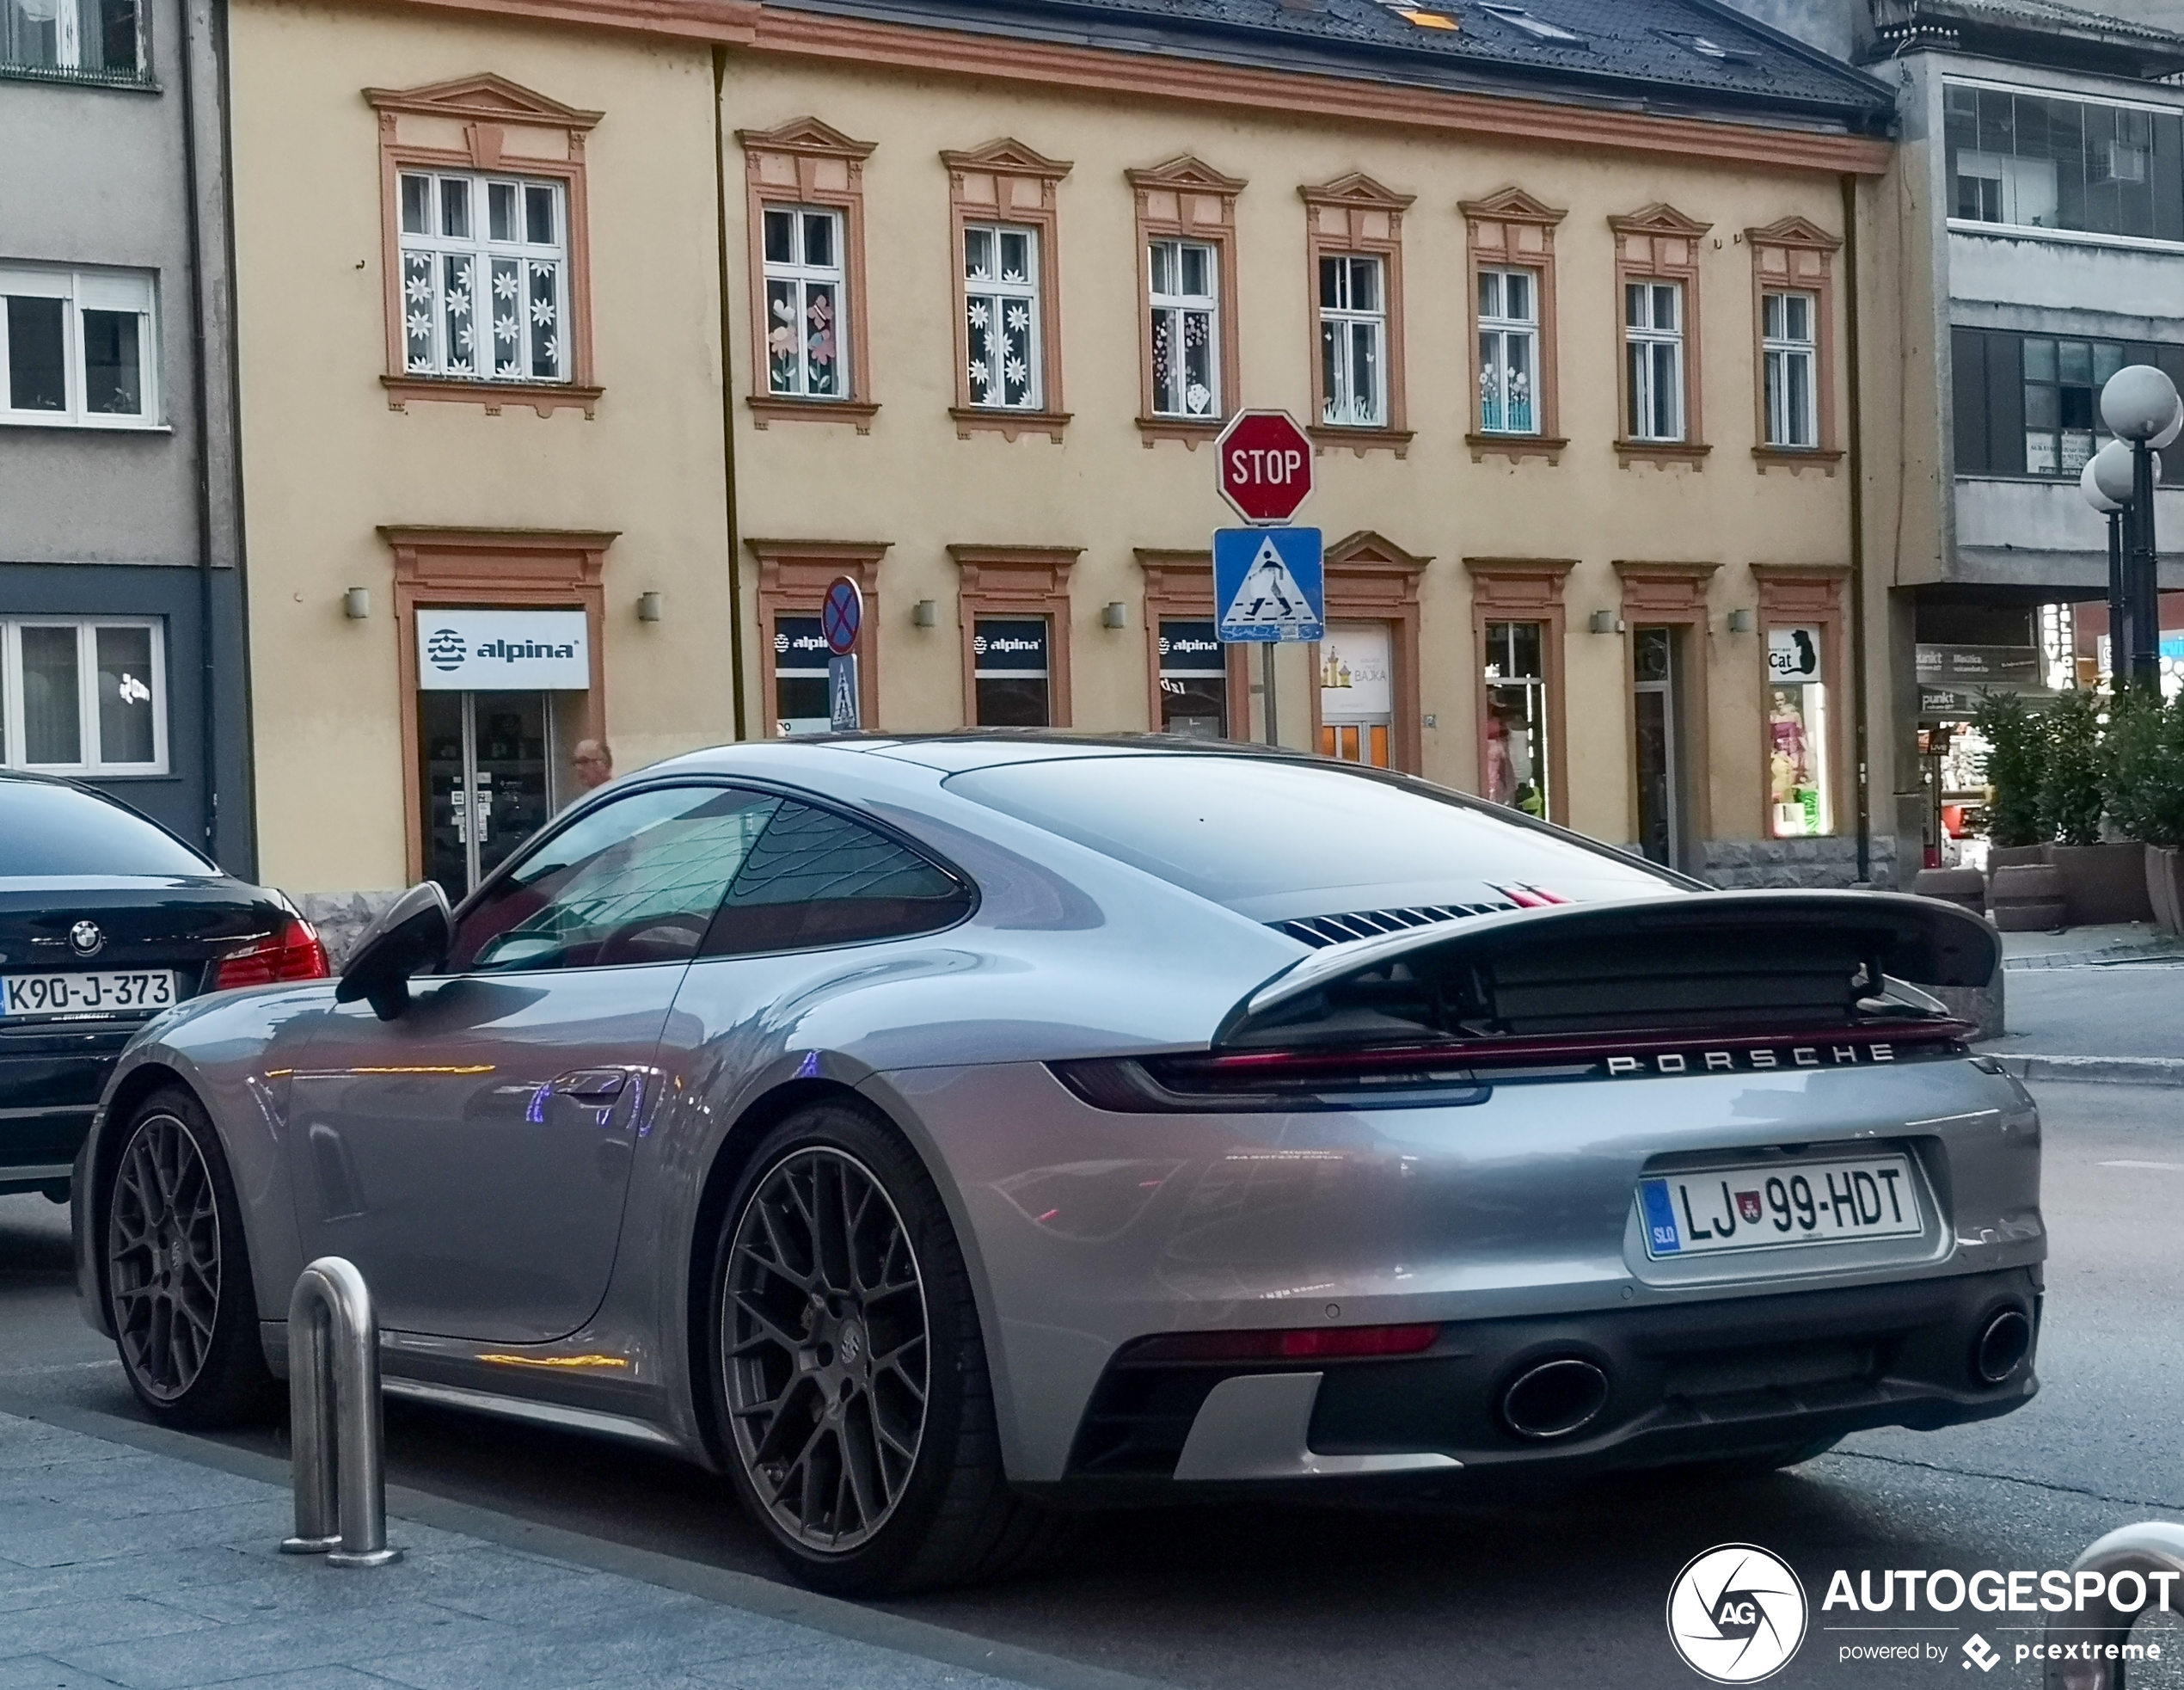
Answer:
x=1460 y=1071
x=1572 y=1048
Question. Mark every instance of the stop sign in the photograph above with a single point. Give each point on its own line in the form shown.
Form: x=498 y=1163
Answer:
x=1265 y=462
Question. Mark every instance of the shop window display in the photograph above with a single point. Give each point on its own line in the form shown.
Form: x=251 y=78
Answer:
x=1798 y=800
x=1515 y=716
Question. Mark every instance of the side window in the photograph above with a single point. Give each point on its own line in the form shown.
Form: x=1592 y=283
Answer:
x=636 y=881
x=816 y=878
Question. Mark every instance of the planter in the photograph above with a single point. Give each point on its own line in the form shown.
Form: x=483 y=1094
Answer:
x=2103 y=884
x=2028 y=898
x=2012 y=857
x=1965 y=888
x=2165 y=886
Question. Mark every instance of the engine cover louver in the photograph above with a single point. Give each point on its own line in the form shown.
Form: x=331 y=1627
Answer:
x=1326 y=929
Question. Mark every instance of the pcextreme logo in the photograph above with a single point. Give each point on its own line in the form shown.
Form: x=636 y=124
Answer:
x=1736 y=1614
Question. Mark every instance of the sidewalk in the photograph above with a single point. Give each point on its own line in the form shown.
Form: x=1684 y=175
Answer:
x=123 y=1566
x=2093 y=1003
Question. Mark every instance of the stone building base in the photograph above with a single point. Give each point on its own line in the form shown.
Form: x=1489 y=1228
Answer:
x=1750 y=864
x=341 y=917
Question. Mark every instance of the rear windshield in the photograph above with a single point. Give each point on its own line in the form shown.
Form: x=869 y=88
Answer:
x=1273 y=839
x=57 y=830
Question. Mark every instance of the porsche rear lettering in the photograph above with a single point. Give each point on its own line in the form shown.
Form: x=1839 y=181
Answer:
x=1744 y=1061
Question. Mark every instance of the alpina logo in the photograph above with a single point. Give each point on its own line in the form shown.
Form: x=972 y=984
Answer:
x=446 y=649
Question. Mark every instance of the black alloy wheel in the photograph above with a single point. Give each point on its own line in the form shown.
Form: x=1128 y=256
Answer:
x=849 y=1376
x=178 y=1279
x=826 y=1338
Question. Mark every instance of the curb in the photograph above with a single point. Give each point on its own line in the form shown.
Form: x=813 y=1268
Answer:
x=2117 y=1070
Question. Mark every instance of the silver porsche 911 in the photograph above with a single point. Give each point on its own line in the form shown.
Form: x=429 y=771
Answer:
x=937 y=1135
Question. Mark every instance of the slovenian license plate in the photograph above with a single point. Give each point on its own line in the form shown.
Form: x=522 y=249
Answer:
x=112 y=992
x=1779 y=1207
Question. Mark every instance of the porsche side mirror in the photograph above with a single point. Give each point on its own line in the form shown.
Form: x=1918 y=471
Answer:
x=411 y=934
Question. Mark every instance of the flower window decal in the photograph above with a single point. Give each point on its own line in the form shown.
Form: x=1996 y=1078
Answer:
x=1001 y=318
x=484 y=270
x=805 y=277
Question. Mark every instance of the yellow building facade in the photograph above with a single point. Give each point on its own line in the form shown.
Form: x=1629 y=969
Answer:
x=960 y=315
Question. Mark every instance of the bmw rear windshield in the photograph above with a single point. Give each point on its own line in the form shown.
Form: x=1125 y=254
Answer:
x=1271 y=838
x=58 y=829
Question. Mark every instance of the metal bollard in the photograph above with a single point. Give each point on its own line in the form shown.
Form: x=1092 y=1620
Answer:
x=339 y=1453
x=2153 y=1547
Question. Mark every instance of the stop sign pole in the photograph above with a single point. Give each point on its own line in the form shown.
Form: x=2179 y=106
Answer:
x=1263 y=464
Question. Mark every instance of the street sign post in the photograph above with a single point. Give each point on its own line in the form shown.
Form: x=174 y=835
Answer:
x=1267 y=580
x=1265 y=463
x=841 y=617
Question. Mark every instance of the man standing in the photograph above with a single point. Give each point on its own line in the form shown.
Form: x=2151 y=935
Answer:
x=594 y=762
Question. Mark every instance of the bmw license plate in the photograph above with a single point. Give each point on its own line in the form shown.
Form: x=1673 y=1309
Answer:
x=1779 y=1207
x=112 y=992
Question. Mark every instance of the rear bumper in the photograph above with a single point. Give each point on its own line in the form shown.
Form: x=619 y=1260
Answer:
x=1687 y=1382
x=51 y=1078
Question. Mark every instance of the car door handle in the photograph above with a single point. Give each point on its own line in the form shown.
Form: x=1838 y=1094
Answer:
x=590 y=1085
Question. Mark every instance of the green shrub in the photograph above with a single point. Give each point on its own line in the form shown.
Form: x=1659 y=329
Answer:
x=2145 y=767
x=2016 y=768
x=2071 y=786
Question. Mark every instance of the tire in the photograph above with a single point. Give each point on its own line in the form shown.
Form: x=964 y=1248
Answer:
x=178 y=1272
x=848 y=1375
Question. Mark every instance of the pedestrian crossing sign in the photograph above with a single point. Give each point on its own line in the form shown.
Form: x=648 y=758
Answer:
x=1268 y=584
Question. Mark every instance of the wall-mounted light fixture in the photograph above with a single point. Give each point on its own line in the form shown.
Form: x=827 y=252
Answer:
x=356 y=603
x=925 y=613
x=1115 y=614
x=650 y=606
x=1605 y=622
x=1742 y=622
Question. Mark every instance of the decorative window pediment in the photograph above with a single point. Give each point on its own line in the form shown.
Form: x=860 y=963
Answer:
x=1793 y=231
x=1356 y=190
x=1186 y=174
x=1511 y=205
x=1007 y=158
x=1659 y=219
x=484 y=98
x=806 y=138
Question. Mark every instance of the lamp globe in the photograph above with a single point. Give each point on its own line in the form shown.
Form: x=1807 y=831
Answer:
x=2139 y=401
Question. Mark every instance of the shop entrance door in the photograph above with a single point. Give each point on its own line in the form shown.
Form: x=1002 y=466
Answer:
x=486 y=765
x=1657 y=710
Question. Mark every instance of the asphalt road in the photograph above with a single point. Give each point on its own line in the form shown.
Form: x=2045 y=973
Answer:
x=1569 y=1591
x=2118 y=1009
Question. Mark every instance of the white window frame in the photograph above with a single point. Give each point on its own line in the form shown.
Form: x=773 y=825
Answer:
x=1502 y=329
x=1338 y=405
x=1172 y=311
x=996 y=294
x=129 y=291
x=1781 y=352
x=1642 y=339
x=802 y=276
x=439 y=362
x=13 y=750
x=68 y=48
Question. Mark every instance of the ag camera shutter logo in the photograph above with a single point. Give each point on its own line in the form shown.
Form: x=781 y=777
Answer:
x=1736 y=1614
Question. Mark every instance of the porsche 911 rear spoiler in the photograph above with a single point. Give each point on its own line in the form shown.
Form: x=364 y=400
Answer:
x=1718 y=961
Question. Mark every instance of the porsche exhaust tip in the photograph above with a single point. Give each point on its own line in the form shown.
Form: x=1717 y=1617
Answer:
x=2003 y=1345
x=1554 y=1398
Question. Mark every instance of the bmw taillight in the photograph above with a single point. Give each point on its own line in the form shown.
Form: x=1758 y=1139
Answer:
x=293 y=953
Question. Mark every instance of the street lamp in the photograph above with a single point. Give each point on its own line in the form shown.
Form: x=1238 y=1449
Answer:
x=2139 y=404
x=2110 y=467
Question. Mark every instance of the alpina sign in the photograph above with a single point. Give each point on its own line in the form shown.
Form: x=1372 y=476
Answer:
x=476 y=651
